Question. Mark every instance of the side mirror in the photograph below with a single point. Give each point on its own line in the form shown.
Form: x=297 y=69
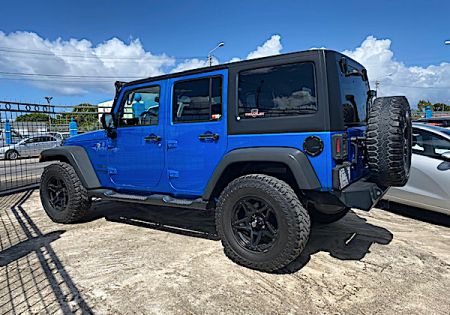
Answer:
x=446 y=156
x=108 y=123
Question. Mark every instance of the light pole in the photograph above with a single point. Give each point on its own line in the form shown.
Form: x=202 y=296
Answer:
x=49 y=99
x=221 y=44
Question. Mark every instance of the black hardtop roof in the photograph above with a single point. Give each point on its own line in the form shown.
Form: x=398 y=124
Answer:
x=232 y=64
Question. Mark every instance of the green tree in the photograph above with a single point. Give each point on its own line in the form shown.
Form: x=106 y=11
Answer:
x=86 y=116
x=441 y=107
x=422 y=104
x=33 y=117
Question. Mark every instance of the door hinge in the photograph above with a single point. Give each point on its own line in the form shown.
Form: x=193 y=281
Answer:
x=173 y=174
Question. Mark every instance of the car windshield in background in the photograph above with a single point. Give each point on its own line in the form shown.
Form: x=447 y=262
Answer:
x=354 y=96
x=435 y=128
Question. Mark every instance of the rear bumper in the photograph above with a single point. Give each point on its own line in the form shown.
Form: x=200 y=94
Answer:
x=361 y=194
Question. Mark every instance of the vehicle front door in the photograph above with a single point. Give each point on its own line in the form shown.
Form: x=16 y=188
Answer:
x=136 y=155
x=197 y=137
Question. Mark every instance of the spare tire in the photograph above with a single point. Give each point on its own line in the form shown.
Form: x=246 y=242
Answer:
x=389 y=140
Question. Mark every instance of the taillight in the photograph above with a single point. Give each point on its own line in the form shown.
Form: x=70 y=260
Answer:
x=339 y=145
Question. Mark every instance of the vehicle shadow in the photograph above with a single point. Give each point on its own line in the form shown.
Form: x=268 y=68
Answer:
x=188 y=222
x=415 y=213
x=348 y=239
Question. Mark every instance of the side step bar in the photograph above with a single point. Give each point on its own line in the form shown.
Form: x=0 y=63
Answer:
x=155 y=199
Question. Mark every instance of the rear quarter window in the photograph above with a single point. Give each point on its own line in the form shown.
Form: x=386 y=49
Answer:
x=277 y=91
x=353 y=97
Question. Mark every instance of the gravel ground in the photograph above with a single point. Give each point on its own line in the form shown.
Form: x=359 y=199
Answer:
x=133 y=259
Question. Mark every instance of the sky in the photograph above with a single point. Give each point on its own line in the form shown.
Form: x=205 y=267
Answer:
x=75 y=50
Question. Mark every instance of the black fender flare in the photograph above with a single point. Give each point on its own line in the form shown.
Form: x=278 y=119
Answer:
x=293 y=158
x=77 y=157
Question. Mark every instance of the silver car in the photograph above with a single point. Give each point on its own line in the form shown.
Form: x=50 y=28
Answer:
x=429 y=182
x=31 y=146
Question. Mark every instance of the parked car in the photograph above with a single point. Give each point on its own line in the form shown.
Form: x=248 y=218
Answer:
x=268 y=144
x=436 y=121
x=28 y=147
x=429 y=182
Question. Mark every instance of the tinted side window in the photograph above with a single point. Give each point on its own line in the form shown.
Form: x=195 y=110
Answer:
x=428 y=144
x=197 y=100
x=46 y=139
x=354 y=97
x=140 y=107
x=277 y=91
x=32 y=140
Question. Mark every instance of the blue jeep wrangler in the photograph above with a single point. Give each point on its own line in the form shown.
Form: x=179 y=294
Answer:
x=269 y=144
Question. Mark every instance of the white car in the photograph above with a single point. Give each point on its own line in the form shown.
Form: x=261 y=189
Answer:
x=428 y=186
x=31 y=146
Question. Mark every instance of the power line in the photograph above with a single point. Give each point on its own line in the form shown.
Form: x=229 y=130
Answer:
x=422 y=87
x=54 y=54
x=58 y=80
x=69 y=76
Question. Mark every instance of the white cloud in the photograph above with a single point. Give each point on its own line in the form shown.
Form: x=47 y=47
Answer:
x=270 y=47
x=26 y=52
x=431 y=82
x=79 y=67
x=194 y=63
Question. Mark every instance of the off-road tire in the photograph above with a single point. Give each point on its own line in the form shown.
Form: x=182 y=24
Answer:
x=321 y=217
x=294 y=226
x=78 y=200
x=389 y=140
x=12 y=155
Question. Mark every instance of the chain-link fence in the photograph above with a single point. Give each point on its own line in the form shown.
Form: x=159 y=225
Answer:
x=27 y=129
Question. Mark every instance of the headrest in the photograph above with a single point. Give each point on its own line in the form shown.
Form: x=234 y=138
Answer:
x=137 y=97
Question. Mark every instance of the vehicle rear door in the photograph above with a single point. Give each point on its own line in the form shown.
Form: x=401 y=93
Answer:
x=47 y=142
x=197 y=132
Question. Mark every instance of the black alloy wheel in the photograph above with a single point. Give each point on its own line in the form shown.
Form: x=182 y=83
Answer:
x=58 y=196
x=254 y=224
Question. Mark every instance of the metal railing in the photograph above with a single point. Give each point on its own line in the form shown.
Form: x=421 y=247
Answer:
x=26 y=129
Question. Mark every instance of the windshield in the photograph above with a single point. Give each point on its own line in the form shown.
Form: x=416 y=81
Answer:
x=354 y=94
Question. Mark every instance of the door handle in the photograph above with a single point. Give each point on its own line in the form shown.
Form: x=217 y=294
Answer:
x=208 y=136
x=152 y=138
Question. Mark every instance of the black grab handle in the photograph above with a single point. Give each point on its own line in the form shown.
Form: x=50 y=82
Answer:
x=208 y=136
x=153 y=138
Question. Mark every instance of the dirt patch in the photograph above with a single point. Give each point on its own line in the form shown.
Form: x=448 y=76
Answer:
x=129 y=259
